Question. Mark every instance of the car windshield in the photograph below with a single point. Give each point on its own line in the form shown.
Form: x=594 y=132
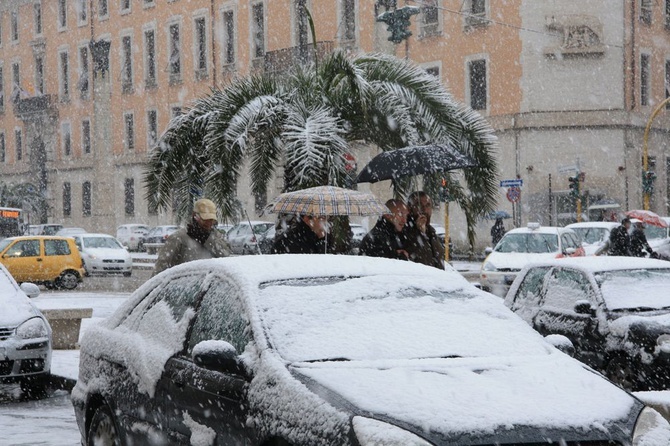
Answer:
x=377 y=317
x=101 y=242
x=528 y=243
x=592 y=235
x=262 y=228
x=639 y=289
x=655 y=232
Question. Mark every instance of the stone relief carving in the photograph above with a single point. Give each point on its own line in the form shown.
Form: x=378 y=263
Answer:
x=582 y=35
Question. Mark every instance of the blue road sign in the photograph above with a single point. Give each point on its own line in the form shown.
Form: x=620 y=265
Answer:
x=511 y=183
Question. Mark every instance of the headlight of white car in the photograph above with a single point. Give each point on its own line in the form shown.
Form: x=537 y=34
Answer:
x=488 y=266
x=651 y=429
x=371 y=432
x=32 y=328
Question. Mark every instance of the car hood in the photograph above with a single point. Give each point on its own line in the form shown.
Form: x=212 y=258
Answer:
x=517 y=260
x=16 y=308
x=479 y=400
x=108 y=253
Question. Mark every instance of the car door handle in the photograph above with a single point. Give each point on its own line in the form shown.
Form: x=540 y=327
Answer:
x=39 y=259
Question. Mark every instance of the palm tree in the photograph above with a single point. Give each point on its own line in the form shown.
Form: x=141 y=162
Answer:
x=303 y=122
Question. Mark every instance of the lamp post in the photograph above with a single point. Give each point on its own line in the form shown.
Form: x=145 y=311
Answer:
x=647 y=180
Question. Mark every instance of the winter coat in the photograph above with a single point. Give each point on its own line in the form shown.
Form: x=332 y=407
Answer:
x=497 y=232
x=298 y=239
x=423 y=248
x=180 y=248
x=639 y=247
x=382 y=241
x=619 y=242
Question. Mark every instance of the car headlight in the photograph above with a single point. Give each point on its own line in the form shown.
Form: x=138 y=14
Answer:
x=371 y=432
x=32 y=328
x=663 y=343
x=651 y=429
x=488 y=266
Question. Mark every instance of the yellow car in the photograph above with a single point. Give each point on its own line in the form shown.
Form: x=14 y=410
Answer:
x=49 y=260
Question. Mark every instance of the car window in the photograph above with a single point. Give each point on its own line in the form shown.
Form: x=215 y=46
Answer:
x=568 y=240
x=528 y=243
x=527 y=298
x=262 y=228
x=220 y=317
x=24 y=248
x=101 y=242
x=592 y=235
x=56 y=248
x=564 y=288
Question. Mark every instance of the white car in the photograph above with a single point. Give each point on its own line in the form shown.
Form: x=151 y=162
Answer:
x=521 y=246
x=103 y=254
x=130 y=235
x=337 y=350
x=244 y=236
x=659 y=238
x=593 y=234
x=67 y=232
x=25 y=337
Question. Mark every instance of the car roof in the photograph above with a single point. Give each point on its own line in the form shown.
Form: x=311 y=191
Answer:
x=41 y=237
x=540 y=230
x=93 y=234
x=593 y=224
x=604 y=263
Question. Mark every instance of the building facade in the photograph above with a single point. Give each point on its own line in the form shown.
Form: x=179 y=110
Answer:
x=87 y=87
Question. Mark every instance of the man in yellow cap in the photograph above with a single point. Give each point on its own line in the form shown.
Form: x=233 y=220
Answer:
x=197 y=241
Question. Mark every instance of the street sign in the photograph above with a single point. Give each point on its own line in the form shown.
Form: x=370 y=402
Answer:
x=511 y=183
x=566 y=169
x=513 y=194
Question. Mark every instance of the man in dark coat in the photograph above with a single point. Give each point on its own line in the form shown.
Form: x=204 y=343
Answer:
x=497 y=231
x=307 y=236
x=639 y=247
x=619 y=240
x=385 y=239
x=421 y=241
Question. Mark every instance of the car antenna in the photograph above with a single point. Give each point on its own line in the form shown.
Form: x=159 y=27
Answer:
x=253 y=234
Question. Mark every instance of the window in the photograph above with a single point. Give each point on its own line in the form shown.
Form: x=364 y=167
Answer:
x=37 y=15
x=2 y=147
x=149 y=3
x=348 y=20
x=430 y=18
x=64 y=76
x=476 y=13
x=176 y=111
x=644 y=78
x=18 y=142
x=86 y=198
x=103 y=9
x=56 y=248
x=667 y=14
x=125 y=6
x=14 y=19
x=86 y=136
x=433 y=71
x=152 y=128
x=129 y=197
x=229 y=37
x=667 y=81
x=66 y=136
x=2 y=90
x=16 y=82
x=478 y=87
x=39 y=75
x=564 y=288
x=83 y=83
x=478 y=7
x=82 y=10
x=258 y=30
x=67 y=199
x=62 y=14
x=24 y=248
x=645 y=11
x=129 y=133
x=127 y=70
x=201 y=47
x=150 y=58
x=175 y=53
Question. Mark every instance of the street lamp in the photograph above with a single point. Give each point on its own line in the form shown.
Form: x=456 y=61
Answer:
x=647 y=176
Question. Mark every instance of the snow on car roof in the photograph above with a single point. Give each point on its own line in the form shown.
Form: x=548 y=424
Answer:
x=594 y=224
x=604 y=263
x=539 y=230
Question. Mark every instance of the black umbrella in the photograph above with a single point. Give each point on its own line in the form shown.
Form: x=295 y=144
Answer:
x=414 y=160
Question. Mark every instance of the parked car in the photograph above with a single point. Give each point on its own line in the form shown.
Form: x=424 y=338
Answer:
x=25 y=337
x=614 y=310
x=32 y=230
x=49 y=260
x=223 y=228
x=130 y=235
x=357 y=234
x=659 y=238
x=593 y=234
x=103 y=254
x=243 y=237
x=521 y=246
x=267 y=240
x=44 y=229
x=66 y=232
x=314 y=349
x=155 y=238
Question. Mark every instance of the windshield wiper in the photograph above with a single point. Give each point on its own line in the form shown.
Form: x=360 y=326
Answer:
x=638 y=309
x=328 y=360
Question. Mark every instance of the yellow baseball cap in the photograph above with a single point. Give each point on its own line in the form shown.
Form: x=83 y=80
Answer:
x=205 y=208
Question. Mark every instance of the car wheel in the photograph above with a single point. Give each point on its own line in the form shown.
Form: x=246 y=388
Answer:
x=103 y=430
x=35 y=387
x=620 y=372
x=68 y=280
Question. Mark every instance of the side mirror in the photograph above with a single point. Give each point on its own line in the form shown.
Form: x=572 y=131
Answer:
x=30 y=289
x=569 y=251
x=217 y=355
x=584 y=307
x=488 y=250
x=562 y=343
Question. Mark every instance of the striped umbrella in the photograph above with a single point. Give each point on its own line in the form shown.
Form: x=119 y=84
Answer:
x=326 y=201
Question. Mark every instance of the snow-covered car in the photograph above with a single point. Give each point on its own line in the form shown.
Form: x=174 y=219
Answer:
x=521 y=246
x=103 y=254
x=154 y=240
x=25 y=337
x=67 y=232
x=357 y=234
x=615 y=311
x=244 y=236
x=336 y=350
x=130 y=235
x=593 y=234
x=659 y=238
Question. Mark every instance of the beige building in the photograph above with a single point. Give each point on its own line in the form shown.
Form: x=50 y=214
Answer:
x=88 y=85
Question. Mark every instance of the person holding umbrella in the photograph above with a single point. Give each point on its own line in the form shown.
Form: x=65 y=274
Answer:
x=619 y=241
x=386 y=238
x=639 y=247
x=307 y=236
x=497 y=231
x=421 y=242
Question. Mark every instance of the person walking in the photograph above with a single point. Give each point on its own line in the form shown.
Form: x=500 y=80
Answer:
x=619 y=242
x=497 y=231
x=421 y=242
x=639 y=246
x=307 y=236
x=197 y=241
x=385 y=239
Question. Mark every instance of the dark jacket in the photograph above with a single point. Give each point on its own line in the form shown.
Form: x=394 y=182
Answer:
x=382 y=241
x=298 y=239
x=497 y=232
x=423 y=248
x=619 y=242
x=639 y=247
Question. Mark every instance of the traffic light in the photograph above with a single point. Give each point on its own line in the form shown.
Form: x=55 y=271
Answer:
x=398 y=22
x=574 y=186
x=648 y=178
